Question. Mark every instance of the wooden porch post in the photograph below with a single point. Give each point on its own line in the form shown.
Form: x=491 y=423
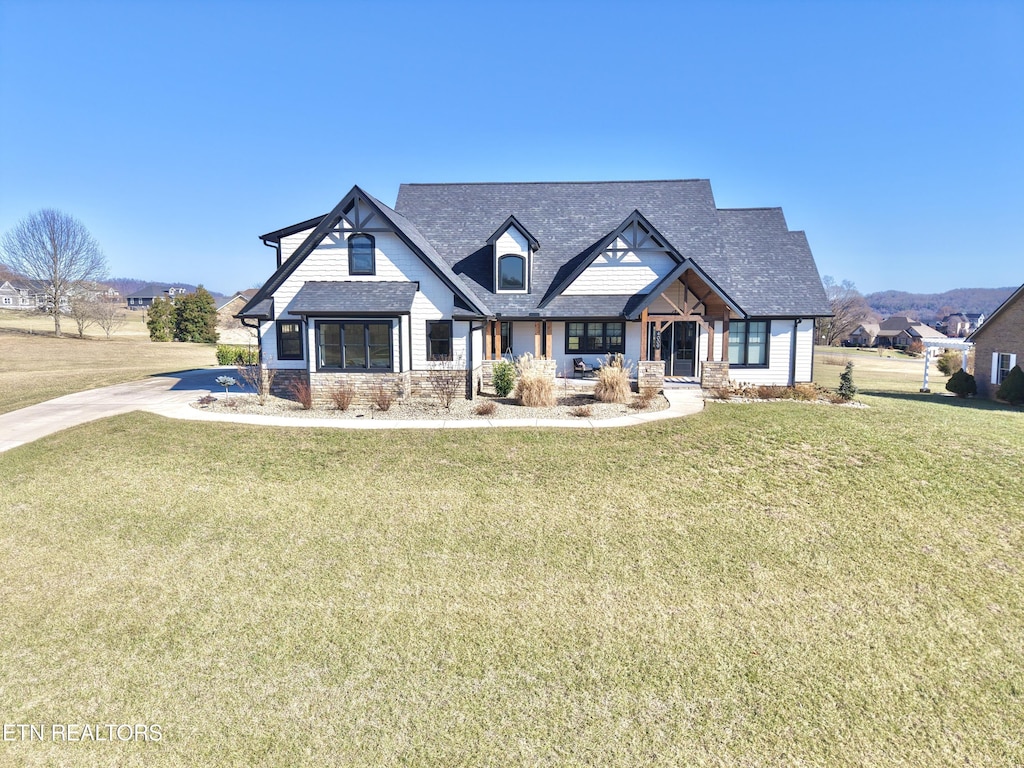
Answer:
x=643 y=335
x=547 y=336
x=725 y=335
x=498 y=349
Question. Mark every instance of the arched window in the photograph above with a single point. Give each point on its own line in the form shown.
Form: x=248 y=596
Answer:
x=361 y=255
x=511 y=273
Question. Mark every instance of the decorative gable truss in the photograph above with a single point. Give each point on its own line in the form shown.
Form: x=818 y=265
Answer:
x=633 y=258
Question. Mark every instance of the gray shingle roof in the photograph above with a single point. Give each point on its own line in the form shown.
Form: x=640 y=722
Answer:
x=750 y=254
x=352 y=297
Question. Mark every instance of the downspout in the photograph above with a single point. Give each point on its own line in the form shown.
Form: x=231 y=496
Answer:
x=259 y=336
x=792 y=353
x=277 y=250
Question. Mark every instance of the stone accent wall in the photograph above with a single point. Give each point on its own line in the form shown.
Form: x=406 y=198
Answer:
x=363 y=383
x=1003 y=334
x=421 y=384
x=714 y=375
x=283 y=380
x=650 y=376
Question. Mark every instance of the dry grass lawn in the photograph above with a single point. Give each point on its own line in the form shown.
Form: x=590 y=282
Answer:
x=759 y=585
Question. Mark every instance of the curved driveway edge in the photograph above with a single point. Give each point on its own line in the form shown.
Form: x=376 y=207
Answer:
x=171 y=396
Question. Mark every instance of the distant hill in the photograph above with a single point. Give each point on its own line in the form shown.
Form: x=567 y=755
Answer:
x=929 y=307
x=127 y=285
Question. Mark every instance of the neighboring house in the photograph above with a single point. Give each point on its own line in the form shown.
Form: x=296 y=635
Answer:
x=368 y=294
x=864 y=335
x=145 y=296
x=955 y=325
x=229 y=327
x=899 y=332
x=974 y=320
x=999 y=344
x=16 y=296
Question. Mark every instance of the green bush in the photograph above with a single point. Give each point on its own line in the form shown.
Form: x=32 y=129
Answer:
x=1012 y=388
x=949 y=362
x=962 y=384
x=847 y=389
x=504 y=377
x=235 y=354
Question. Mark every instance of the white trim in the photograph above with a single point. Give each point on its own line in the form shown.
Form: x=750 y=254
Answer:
x=995 y=368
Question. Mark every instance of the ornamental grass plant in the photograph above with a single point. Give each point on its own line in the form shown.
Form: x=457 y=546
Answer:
x=535 y=387
x=613 y=380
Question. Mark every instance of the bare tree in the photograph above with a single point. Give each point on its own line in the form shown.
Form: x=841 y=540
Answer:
x=108 y=315
x=82 y=307
x=849 y=309
x=57 y=251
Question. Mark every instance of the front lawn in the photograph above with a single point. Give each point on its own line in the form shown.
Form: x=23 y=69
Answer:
x=761 y=584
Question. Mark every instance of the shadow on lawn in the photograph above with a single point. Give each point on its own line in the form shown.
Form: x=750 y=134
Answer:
x=937 y=398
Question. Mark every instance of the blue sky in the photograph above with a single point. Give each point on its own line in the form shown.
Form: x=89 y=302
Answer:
x=891 y=132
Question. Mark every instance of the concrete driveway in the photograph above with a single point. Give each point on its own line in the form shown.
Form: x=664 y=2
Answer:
x=171 y=395
x=156 y=393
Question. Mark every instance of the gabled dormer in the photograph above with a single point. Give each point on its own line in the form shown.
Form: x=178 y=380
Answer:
x=513 y=248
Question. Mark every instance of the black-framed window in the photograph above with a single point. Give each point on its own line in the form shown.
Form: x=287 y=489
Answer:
x=595 y=338
x=439 y=339
x=354 y=345
x=748 y=343
x=506 y=339
x=361 y=259
x=289 y=340
x=511 y=273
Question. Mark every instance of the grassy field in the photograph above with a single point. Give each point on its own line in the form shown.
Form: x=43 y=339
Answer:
x=36 y=366
x=761 y=584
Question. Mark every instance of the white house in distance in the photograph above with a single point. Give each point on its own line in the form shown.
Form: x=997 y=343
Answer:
x=652 y=270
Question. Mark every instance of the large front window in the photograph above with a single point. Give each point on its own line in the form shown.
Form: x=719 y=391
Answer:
x=748 y=343
x=595 y=338
x=354 y=346
x=511 y=273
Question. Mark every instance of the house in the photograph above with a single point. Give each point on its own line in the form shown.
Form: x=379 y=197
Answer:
x=459 y=275
x=900 y=331
x=999 y=344
x=16 y=295
x=229 y=328
x=863 y=336
x=147 y=294
x=955 y=325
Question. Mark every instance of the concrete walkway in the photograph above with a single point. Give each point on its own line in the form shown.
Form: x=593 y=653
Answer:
x=173 y=394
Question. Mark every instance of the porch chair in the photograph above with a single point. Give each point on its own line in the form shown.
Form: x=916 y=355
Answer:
x=581 y=367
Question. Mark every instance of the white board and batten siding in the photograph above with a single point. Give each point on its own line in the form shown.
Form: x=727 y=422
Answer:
x=780 y=354
x=621 y=273
x=394 y=261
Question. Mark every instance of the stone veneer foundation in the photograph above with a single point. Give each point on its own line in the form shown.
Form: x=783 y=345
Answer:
x=714 y=375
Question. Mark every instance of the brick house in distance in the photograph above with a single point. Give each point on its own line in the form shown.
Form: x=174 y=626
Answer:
x=999 y=344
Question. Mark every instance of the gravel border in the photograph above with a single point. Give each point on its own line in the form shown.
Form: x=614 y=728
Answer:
x=425 y=409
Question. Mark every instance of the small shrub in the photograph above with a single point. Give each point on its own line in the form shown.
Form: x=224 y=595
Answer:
x=613 y=381
x=916 y=348
x=962 y=384
x=447 y=379
x=301 y=391
x=236 y=354
x=259 y=378
x=949 y=362
x=342 y=395
x=486 y=408
x=504 y=378
x=382 y=396
x=644 y=398
x=207 y=400
x=847 y=389
x=1012 y=388
x=720 y=393
x=805 y=392
x=534 y=386
x=582 y=411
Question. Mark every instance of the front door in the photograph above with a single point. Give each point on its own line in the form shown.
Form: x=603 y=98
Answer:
x=678 y=348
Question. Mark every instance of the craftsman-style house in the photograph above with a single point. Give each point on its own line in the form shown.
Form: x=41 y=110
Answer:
x=570 y=272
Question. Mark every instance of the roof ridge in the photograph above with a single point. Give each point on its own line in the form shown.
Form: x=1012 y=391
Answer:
x=525 y=183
